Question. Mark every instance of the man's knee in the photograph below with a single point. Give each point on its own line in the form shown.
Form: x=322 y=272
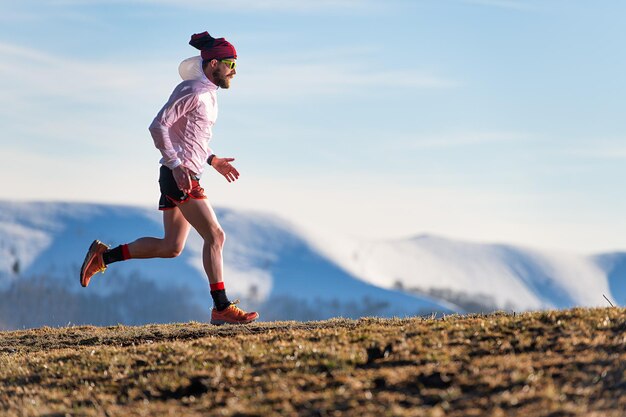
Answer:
x=219 y=236
x=216 y=236
x=172 y=250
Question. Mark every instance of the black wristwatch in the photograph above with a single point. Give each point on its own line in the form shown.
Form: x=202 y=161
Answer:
x=210 y=159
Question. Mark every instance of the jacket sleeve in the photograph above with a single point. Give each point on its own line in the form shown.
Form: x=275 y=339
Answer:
x=159 y=129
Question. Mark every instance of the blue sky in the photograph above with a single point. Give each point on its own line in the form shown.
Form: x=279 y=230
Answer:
x=486 y=120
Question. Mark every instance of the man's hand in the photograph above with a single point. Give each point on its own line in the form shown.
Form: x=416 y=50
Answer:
x=223 y=166
x=183 y=181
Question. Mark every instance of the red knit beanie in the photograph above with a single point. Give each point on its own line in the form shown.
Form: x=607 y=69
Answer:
x=212 y=48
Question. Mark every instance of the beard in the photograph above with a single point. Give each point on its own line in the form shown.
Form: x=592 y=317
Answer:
x=220 y=79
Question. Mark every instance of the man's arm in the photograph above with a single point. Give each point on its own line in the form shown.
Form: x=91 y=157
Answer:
x=159 y=129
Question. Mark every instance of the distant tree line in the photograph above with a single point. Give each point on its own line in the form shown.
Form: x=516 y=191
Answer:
x=287 y=307
x=470 y=303
x=44 y=300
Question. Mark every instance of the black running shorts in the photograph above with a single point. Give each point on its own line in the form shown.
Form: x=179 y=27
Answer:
x=171 y=195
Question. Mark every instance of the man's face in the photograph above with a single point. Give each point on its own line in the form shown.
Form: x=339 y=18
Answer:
x=223 y=71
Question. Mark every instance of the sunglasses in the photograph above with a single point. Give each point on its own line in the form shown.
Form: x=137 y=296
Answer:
x=230 y=64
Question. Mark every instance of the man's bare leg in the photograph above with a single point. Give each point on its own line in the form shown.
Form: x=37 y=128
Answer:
x=176 y=230
x=201 y=216
x=100 y=255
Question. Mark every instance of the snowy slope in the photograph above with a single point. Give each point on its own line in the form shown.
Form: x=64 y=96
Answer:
x=267 y=264
x=614 y=266
x=52 y=238
x=509 y=277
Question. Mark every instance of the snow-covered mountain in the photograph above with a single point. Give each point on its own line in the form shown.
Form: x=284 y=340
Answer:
x=500 y=276
x=283 y=271
x=268 y=264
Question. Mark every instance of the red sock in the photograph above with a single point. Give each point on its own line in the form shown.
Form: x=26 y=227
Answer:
x=217 y=286
x=125 y=252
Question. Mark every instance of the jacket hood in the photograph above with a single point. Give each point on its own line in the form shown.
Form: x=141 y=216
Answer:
x=191 y=69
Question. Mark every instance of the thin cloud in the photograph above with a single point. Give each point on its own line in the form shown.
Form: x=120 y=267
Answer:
x=243 y=5
x=26 y=71
x=298 y=80
x=601 y=151
x=46 y=12
x=503 y=4
x=452 y=140
x=280 y=5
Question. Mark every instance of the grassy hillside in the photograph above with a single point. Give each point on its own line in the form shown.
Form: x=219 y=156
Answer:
x=558 y=363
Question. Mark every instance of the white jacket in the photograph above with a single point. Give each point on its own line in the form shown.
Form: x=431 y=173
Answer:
x=183 y=127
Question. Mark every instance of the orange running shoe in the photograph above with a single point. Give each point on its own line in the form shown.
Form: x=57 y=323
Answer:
x=232 y=315
x=93 y=262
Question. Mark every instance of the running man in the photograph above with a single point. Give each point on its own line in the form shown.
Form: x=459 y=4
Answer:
x=182 y=131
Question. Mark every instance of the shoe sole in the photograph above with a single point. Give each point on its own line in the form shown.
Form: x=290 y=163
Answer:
x=221 y=322
x=86 y=264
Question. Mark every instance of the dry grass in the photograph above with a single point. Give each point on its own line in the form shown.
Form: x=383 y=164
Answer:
x=558 y=363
